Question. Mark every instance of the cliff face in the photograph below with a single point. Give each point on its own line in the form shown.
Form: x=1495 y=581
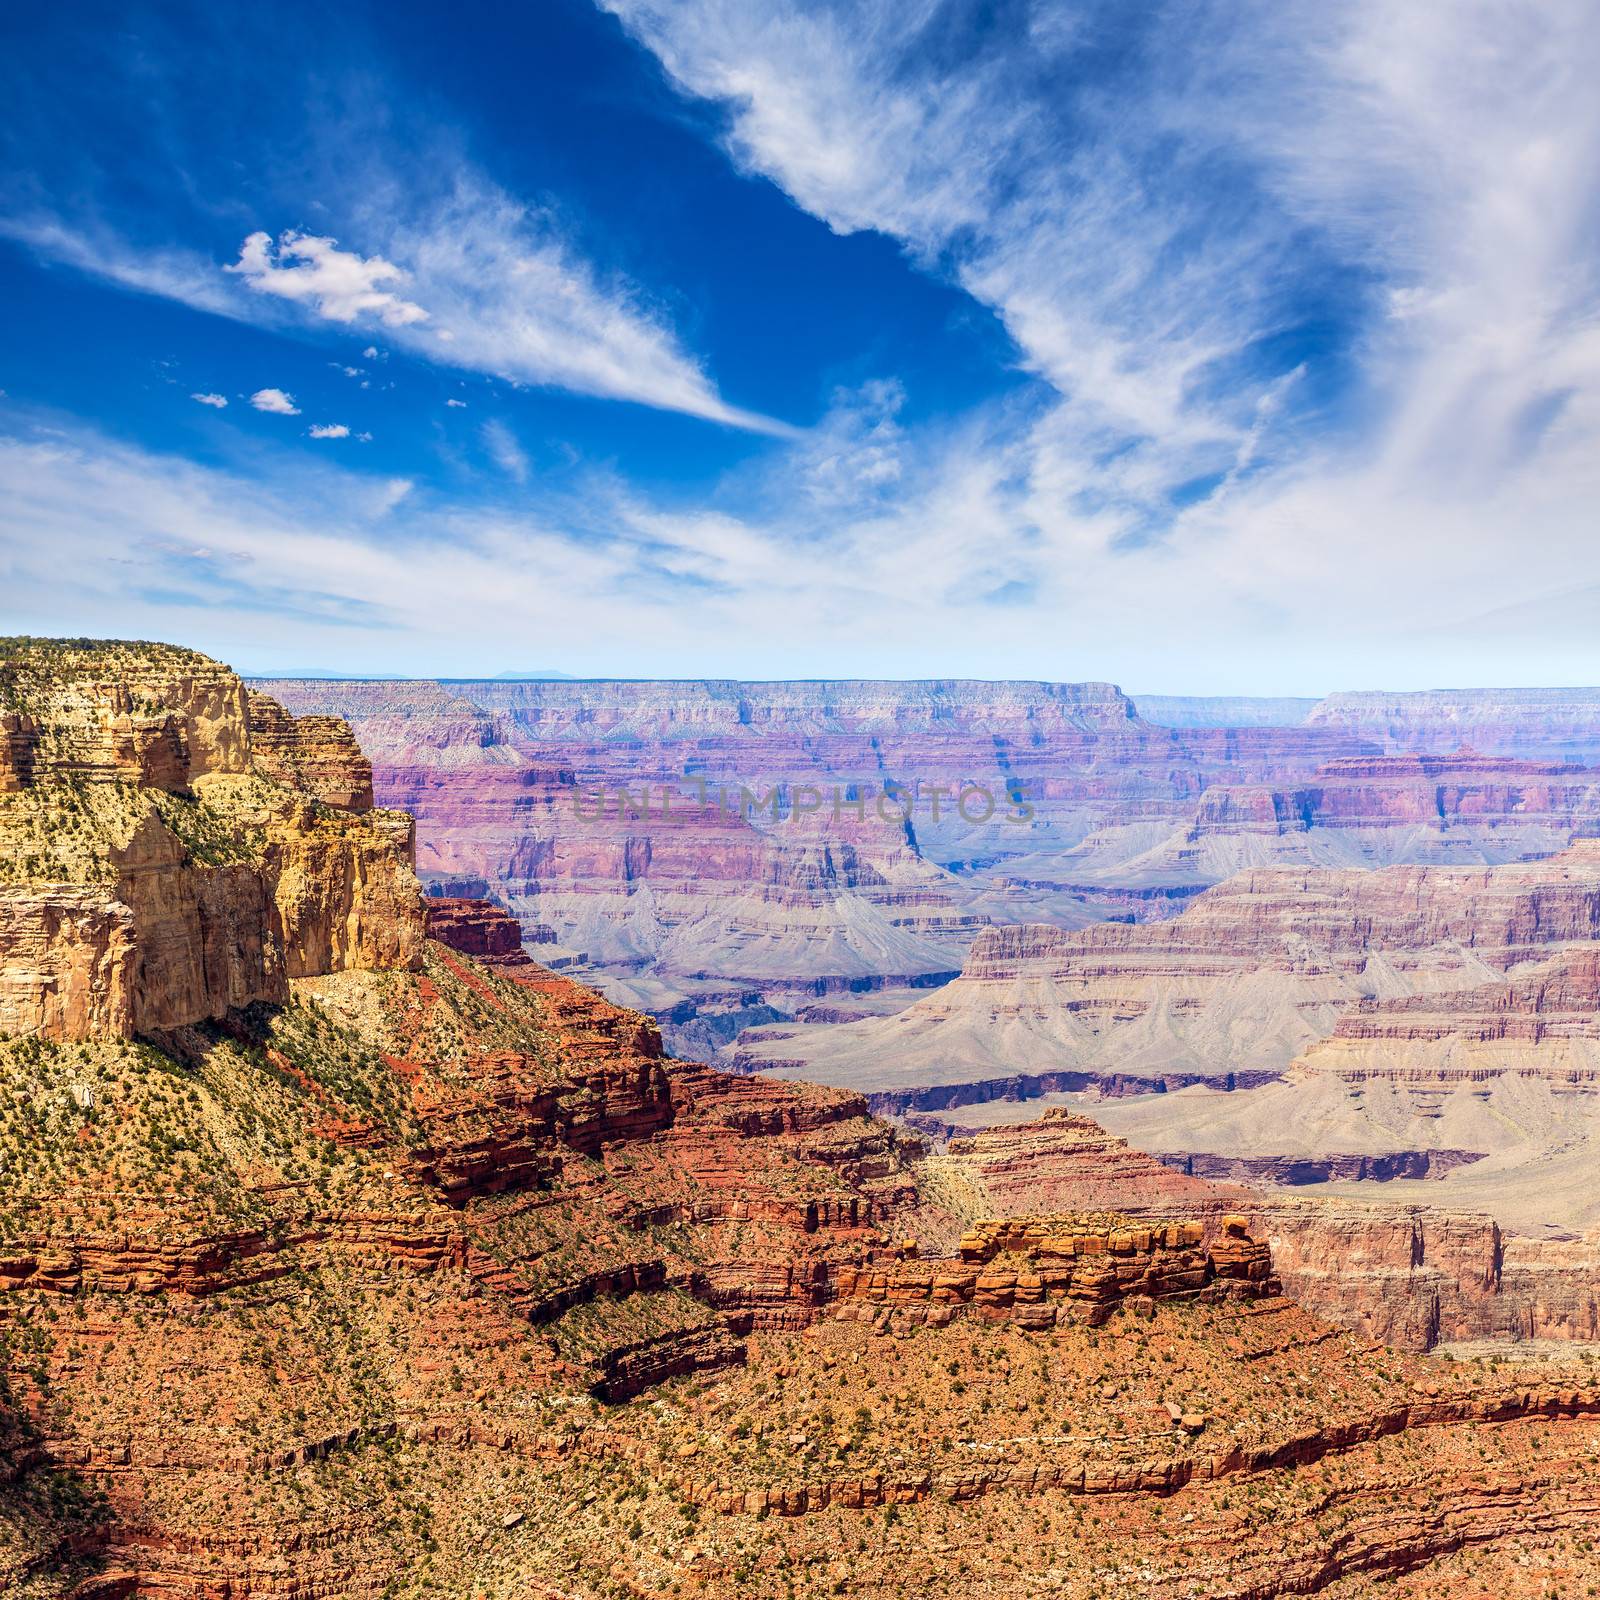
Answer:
x=716 y=917
x=1429 y=1028
x=1409 y=1274
x=154 y=872
x=1355 y=812
x=316 y=754
x=1537 y=724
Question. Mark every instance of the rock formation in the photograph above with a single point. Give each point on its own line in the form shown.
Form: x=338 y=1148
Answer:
x=634 y=820
x=1410 y=1274
x=154 y=873
x=317 y=754
x=482 y=929
x=638 y=820
x=1533 y=724
x=1038 y=1271
x=1249 y=976
x=1357 y=811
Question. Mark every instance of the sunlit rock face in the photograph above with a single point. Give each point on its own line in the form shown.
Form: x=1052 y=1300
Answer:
x=154 y=871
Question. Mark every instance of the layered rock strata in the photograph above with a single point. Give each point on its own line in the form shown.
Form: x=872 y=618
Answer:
x=1036 y=1271
x=154 y=872
x=783 y=838
x=1357 y=812
x=346 y=1293
x=1409 y=1274
x=1250 y=975
x=635 y=822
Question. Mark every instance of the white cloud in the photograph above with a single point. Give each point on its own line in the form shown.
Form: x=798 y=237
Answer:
x=100 y=537
x=173 y=274
x=275 y=401
x=460 y=405
x=491 y=285
x=504 y=450
x=349 y=372
x=1143 y=239
x=1091 y=231
x=508 y=294
x=340 y=285
x=330 y=430
x=218 y=400
x=1146 y=223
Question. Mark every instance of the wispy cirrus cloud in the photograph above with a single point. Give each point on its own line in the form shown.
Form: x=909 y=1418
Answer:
x=1205 y=225
x=491 y=285
x=504 y=451
x=98 y=250
x=508 y=295
x=1306 y=294
x=942 y=575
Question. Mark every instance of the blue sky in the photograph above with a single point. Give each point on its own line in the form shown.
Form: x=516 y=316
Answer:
x=1208 y=348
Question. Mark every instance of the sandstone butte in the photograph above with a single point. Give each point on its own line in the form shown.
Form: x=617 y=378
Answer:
x=338 y=1259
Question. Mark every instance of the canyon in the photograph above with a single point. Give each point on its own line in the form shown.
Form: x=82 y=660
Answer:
x=1435 y=1029
x=1334 y=947
x=727 y=855
x=345 y=1249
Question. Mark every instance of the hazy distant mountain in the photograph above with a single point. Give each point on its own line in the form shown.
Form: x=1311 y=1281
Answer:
x=302 y=674
x=1223 y=711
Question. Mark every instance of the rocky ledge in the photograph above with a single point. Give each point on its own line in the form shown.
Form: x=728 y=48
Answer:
x=1039 y=1271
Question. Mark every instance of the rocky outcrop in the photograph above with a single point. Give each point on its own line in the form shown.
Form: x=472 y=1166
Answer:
x=153 y=874
x=1036 y=1271
x=1409 y=1275
x=113 y=711
x=316 y=754
x=19 y=743
x=201 y=938
x=344 y=892
x=478 y=928
x=1557 y=999
x=1385 y=1167
x=1064 y=1159
x=66 y=963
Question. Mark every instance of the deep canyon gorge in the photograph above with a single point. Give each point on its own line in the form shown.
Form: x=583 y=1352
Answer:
x=1176 y=1191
